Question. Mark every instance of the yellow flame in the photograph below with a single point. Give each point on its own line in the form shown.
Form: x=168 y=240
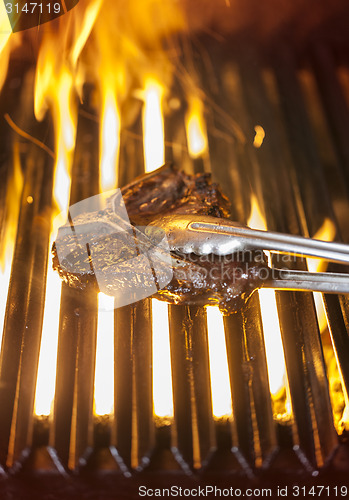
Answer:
x=259 y=137
x=338 y=393
x=270 y=318
x=273 y=342
x=220 y=386
x=162 y=376
x=96 y=42
x=8 y=42
x=101 y=44
x=103 y=32
x=45 y=385
x=65 y=139
x=104 y=374
x=88 y=20
x=343 y=424
x=327 y=232
x=109 y=141
x=46 y=378
x=154 y=151
x=5 y=27
x=5 y=274
x=54 y=88
x=195 y=126
x=14 y=189
x=153 y=125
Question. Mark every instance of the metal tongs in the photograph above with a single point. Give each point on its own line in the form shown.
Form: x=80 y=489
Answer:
x=204 y=235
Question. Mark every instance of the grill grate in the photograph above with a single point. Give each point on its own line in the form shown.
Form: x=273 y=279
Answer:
x=298 y=184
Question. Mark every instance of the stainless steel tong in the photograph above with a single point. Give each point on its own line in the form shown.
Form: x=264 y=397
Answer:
x=205 y=235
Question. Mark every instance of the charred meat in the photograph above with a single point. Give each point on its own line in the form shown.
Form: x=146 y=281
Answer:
x=226 y=281
x=102 y=243
x=169 y=190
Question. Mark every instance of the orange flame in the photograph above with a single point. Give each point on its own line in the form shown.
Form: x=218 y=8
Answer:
x=196 y=129
x=101 y=43
x=154 y=152
x=338 y=393
x=104 y=373
x=54 y=91
x=110 y=142
x=5 y=27
x=8 y=42
x=153 y=125
x=57 y=94
x=14 y=189
x=220 y=386
x=84 y=26
x=162 y=377
x=327 y=232
x=271 y=326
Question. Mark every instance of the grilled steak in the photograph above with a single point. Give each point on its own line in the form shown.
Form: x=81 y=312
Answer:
x=226 y=281
x=169 y=190
x=104 y=250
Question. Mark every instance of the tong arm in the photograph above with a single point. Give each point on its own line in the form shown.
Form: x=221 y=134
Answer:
x=281 y=279
x=205 y=235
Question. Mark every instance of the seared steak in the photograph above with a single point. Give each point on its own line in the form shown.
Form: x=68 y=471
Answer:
x=121 y=252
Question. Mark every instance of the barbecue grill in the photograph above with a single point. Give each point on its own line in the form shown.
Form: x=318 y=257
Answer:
x=277 y=120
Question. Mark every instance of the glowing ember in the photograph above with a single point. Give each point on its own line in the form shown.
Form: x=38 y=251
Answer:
x=259 y=137
x=271 y=325
x=104 y=374
x=196 y=130
x=220 y=386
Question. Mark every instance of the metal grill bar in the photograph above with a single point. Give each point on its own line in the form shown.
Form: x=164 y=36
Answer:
x=316 y=191
x=253 y=427
x=78 y=320
x=334 y=102
x=302 y=305
x=23 y=320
